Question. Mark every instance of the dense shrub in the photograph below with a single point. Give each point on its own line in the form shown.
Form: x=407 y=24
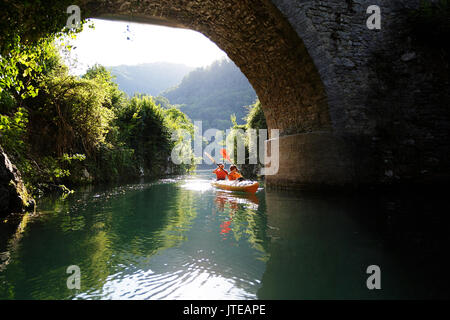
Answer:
x=74 y=130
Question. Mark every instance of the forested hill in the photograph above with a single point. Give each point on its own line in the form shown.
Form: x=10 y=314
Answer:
x=212 y=94
x=149 y=78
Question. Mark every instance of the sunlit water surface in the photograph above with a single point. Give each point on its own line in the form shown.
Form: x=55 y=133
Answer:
x=181 y=239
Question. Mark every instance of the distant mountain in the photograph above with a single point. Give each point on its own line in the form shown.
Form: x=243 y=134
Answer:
x=149 y=78
x=212 y=94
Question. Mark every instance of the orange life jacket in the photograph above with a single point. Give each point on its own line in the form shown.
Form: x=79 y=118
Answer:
x=234 y=175
x=221 y=173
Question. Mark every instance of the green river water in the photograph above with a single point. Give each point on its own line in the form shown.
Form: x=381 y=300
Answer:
x=182 y=239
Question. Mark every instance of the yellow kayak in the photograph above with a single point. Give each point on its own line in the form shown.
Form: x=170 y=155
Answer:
x=244 y=186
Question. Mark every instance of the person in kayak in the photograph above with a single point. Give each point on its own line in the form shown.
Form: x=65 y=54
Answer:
x=220 y=172
x=234 y=174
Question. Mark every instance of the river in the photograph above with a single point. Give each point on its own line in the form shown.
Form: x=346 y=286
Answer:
x=180 y=238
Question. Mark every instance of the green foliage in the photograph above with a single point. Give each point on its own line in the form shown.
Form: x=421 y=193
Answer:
x=20 y=67
x=7 y=103
x=13 y=137
x=113 y=162
x=211 y=94
x=27 y=29
x=178 y=120
x=163 y=102
x=233 y=121
x=143 y=129
x=74 y=130
x=28 y=21
x=74 y=114
x=114 y=98
x=79 y=157
x=12 y=132
x=255 y=119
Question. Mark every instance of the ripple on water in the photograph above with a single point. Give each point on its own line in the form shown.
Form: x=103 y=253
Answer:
x=184 y=277
x=150 y=241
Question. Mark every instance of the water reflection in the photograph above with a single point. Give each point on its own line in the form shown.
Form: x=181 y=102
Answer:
x=182 y=239
x=145 y=241
x=321 y=245
x=231 y=203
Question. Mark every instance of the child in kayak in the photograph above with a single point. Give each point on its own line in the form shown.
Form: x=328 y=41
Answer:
x=220 y=172
x=234 y=174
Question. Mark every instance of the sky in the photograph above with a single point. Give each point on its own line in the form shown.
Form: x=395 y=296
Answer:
x=114 y=43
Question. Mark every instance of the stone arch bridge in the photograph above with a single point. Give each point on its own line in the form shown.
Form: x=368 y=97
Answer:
x=354 y=106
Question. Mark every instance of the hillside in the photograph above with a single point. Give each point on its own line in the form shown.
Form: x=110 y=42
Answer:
x=212 y=94
x=149 y=78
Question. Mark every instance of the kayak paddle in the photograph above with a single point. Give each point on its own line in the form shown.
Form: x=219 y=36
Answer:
x=212 y=159
x=227 y=157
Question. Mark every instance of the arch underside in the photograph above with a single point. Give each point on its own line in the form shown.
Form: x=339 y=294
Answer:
x=264 y=45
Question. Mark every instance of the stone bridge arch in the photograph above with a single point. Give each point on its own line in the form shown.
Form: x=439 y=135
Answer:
x=339 y=93
x=263 y=44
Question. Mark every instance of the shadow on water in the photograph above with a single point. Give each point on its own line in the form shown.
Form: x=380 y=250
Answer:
x=322 y=244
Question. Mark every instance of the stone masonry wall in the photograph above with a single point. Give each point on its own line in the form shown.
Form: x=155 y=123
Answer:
x=387 y=95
